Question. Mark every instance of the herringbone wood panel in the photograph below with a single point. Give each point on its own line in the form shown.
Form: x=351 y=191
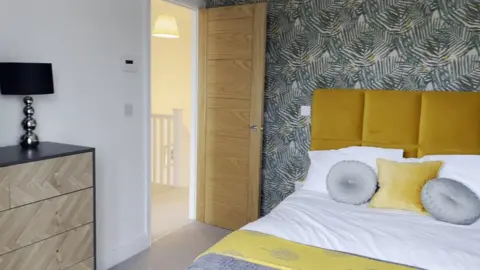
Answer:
x=28 y=224
x=58 y=252
x=31 y=182
x=4 y=193
x=85 y=265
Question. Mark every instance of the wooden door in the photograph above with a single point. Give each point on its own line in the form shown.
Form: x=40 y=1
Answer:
x=231 y=88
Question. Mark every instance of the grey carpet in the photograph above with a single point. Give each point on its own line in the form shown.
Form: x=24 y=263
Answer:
x=177 y=250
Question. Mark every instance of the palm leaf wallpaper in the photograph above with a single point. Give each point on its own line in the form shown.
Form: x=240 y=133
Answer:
x=369 y=44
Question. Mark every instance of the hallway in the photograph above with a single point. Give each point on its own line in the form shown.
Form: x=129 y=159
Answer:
x=169 y=209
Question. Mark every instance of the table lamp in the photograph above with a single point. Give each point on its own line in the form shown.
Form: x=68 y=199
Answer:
x=27 y=79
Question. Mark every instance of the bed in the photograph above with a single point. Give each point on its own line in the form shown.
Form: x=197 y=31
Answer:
x=309 y=230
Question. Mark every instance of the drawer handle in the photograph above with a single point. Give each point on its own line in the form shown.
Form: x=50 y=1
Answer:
x=56 y=179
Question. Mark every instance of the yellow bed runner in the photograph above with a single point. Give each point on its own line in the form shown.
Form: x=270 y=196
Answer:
x=271 y=251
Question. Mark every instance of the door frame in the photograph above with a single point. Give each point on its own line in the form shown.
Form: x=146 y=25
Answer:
x=194 y=6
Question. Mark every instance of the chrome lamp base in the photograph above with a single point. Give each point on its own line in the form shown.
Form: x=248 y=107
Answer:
x=29 y=140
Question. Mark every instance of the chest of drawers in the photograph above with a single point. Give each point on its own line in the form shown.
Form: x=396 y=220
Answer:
x=47 y=208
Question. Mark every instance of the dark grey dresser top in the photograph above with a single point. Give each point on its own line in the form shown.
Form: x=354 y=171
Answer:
x=12 y=155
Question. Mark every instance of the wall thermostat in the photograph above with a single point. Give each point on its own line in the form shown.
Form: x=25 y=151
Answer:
x=129 y=64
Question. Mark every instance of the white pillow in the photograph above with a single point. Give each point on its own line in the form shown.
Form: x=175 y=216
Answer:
x=322 y=161
x=462 y=168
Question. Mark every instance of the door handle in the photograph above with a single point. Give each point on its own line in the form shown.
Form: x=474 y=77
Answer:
x=255 y=127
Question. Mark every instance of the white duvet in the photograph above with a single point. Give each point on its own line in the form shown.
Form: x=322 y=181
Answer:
x=312 y=218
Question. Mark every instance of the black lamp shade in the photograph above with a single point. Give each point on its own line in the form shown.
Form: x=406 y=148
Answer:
x=26 y=79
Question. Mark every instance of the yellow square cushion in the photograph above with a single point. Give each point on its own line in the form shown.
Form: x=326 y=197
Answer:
x=401 y=184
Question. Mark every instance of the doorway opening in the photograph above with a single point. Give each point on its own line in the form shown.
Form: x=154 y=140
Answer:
x=173 y=46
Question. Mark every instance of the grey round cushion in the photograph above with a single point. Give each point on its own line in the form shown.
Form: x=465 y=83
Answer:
x=451 y=201
x=351 y=182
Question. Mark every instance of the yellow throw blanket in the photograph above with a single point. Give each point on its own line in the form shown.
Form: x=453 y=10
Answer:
x=271 y=251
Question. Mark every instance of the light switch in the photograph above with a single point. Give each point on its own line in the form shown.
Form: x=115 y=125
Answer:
x=305 y=110
x=128 y=110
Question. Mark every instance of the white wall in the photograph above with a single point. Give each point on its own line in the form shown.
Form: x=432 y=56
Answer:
x=85 y=40
x=171 y=78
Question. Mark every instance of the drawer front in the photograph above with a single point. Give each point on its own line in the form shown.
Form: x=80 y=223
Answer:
x=85 y=265
x=56 y=253
x=35 y=181
x=32 y=223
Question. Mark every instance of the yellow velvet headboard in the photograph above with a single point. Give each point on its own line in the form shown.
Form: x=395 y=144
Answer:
x=422 y=123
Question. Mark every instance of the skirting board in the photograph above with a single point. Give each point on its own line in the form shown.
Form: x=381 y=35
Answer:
x=122 y=253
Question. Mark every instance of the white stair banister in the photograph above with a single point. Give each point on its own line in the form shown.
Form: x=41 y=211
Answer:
x=163 y=139
x=177 y=146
